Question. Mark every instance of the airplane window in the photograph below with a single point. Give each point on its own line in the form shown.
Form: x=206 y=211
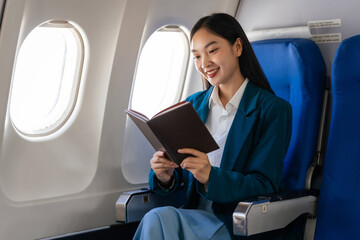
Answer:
x=46 y=78
x=161 y=71
x=159 y=82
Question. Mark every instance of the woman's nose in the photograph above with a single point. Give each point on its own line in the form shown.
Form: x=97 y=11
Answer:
x=206 y=62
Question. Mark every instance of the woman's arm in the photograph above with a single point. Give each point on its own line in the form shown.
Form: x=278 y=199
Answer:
x=163 y=178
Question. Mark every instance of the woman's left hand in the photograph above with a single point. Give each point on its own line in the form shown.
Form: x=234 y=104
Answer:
x=198 y=165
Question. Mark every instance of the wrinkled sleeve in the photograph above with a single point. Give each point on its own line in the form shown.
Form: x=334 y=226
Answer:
x=154 y=182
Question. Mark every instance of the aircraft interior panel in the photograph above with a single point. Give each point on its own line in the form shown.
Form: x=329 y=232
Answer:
x=45 y=178
x=2 y=4
x=68 y=179
x=70 y=68
x=282 y=14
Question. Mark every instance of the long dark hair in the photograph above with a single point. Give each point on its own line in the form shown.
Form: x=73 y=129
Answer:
x=227 y=27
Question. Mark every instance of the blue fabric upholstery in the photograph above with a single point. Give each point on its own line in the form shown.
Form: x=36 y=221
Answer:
x=296 y=72
x=339 y=202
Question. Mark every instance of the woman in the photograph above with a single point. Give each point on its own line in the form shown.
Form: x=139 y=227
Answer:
x=250 y=124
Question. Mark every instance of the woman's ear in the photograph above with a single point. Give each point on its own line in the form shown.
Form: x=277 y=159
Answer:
x=238 y=47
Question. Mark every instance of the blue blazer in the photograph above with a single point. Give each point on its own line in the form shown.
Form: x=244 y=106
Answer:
x=253 y=156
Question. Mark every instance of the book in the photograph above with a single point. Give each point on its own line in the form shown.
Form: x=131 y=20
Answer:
x=178 y=126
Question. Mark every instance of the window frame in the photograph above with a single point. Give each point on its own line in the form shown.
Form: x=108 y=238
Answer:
x=185 y=66
x=51 y=128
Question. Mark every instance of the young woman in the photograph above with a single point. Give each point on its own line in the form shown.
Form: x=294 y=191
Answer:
x=250 y=124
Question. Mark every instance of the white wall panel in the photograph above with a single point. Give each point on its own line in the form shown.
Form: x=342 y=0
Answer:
x=44 y=181
x=262 y=14
x=70 y=181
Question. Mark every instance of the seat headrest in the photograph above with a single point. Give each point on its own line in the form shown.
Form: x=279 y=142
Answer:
x=346 y=65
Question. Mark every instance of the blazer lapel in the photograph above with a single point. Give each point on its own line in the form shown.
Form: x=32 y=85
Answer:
x=241 y=127
x=202 y=108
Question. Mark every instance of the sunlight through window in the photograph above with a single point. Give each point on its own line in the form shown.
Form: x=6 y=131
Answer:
x=161 y=71
x=46 y=78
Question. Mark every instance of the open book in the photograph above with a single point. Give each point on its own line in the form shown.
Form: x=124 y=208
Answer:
x=178 y=126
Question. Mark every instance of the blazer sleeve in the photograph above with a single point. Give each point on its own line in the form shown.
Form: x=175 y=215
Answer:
x=154 y=182
x=263 y=170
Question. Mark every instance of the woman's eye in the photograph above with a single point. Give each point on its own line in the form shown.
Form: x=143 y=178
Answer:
x=196 y=57
x=214 y=50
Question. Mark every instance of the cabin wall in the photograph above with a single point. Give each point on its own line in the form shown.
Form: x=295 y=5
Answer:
x=69 y=181
x=261 y=15
x=1 y=11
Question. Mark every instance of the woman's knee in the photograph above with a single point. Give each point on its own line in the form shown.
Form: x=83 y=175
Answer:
x=160 y=213
x=162 y=210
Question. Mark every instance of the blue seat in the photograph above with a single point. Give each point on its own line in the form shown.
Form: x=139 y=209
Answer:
x=296 y=72
x=339 y=201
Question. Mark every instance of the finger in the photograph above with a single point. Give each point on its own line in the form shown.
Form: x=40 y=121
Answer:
x=159 y=154
x=164 y=166
x=159 y=160
x=191 y=151
x=189 y=163
x=201 y=160
x=159 y=157
x=163 y=161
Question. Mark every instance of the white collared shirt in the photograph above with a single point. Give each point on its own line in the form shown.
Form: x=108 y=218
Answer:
x=220 y=119
x=218 y=123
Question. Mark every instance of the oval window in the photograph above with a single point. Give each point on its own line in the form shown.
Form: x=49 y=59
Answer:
x=46 y=78
x=159 y=82
x=161 y=71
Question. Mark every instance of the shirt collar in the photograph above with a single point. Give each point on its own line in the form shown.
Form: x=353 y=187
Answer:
x=234 y=101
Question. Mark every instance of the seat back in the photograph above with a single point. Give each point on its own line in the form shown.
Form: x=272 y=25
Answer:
x=339 y=201
x=296 y=72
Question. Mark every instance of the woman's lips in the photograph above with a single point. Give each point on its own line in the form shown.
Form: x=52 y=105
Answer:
x=212 y=72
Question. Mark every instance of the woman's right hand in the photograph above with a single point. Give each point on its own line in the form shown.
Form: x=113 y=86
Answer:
x=163 y=167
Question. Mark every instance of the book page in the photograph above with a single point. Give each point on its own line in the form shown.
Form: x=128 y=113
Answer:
x=137 y=114
x=177 y=105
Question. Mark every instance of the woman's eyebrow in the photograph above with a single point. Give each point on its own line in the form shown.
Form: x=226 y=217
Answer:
x=206 y=46
x=209 y=44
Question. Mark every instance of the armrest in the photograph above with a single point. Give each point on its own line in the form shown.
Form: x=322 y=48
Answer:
x=133 y=205
x=271 y=213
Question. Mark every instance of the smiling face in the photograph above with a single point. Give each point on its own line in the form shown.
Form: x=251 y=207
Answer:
x=216 y=59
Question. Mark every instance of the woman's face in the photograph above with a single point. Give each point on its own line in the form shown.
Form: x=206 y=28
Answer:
x=215 y=58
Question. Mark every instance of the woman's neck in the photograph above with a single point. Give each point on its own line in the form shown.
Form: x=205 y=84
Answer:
x=228 y=90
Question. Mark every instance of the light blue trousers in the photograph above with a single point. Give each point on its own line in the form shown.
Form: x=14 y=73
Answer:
x=171 y=223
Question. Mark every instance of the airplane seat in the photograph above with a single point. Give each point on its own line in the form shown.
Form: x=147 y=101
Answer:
x=339 y=207
x=296 y=72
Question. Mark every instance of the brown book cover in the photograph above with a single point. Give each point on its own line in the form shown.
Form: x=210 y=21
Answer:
x=178 y=126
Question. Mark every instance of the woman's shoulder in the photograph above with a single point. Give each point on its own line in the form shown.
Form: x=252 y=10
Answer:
x=199 y=96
